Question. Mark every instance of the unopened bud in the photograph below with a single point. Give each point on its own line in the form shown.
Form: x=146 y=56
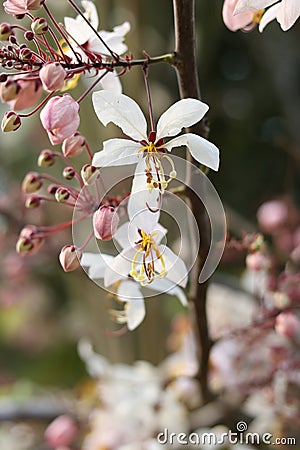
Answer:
x=25 y=54
x=10 y=122
x=69 y=258
x=287 y=324
x=3 y=77
x=62 y=194
x=29 y=241
x=46 y=158
x=33 y=201
x=52 y=188
x=68 y=173
x=73 y=146
x=52 y=76
x=9 y=90
x=5 y=31
x=105 y=222
x=29 y=35
x=88 y=173
x=39 y=26
x=32 y=183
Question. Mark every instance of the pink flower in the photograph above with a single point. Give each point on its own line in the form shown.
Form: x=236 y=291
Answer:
x=61 y=432
x=272 y=215
x=287 y=324
x=236 y=22
x=69 y=258
x=105 y=222
x=52 y=76
x=21 y=6
x=60 y=118
x=28 y=93
x=257 y=261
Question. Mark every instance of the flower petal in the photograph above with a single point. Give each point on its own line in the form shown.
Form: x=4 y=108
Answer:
x=143 y=202
x=96 y=264
x=117 y=152
x=122 y=111
x=201 y=149
x=163 y=285
x=182 y=114
x=268 y=16
x=130 y=292
x=252 y=5
x=120 y=267
x=237 y=21
x=288 y=13
x=175 y=267
x=111 y=82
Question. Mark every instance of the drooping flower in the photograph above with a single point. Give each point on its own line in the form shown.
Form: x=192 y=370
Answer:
x=52 y=76
x=148 y=151
x=86 y=40
x=60 y=118
x=128 y=290
x=244 y=21
x=286 y=12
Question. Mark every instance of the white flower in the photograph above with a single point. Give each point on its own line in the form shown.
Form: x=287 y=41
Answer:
x=128 y=291
x=83 y=35
x=286 y=12
x=148 y=151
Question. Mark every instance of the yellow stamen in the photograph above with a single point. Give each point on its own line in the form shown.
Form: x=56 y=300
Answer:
x=147 y=272
x=257 y=15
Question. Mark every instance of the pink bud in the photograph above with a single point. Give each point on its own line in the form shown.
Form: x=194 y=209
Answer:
x=272 y=215
x=61 y=432
x=73 y=146
x=18 y=7
x=32 y=183
x=287 y=324
x=10 y=122
x=5 y=31
x=105 y=222
x=60 y=118
x=52 y=76
x=238 y=21
x=69 y=258
x=29 y=93
x=257 y=261
x=29 y=241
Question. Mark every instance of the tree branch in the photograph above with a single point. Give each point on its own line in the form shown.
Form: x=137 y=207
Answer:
x=188 y=82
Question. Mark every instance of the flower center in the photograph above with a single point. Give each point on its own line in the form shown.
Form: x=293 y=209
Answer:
x=155 y=176
x=146 y=273
x=257 y=15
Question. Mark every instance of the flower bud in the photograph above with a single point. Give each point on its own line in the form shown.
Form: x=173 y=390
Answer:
x=20 y=7
x=62 y=194
x=68 y=173
x=287 y=324
x=25 y=54
x=52 y=188
x=32 y=201
x=73 y=146
x=52 y=76
x=3 y=77
x=105 y=222
x=9 y=90
x=39 y=26
x=46 y=158
x=10 y=122
x=257 y=261
x=32 y=183
x=272 y=215
x=88 y=174
x=5 y=31
x=29 y=241
x=29 y=35
x=69 y=258
x=60 y=118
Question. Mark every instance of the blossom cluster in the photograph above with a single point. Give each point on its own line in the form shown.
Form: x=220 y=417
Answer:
x=35 y=72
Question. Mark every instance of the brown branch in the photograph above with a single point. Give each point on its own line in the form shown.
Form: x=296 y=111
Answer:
x=188 y=82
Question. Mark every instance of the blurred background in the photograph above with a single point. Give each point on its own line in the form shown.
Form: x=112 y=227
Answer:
x=251 y=83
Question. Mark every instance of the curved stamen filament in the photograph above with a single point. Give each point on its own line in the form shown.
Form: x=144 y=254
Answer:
x=146 y=272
